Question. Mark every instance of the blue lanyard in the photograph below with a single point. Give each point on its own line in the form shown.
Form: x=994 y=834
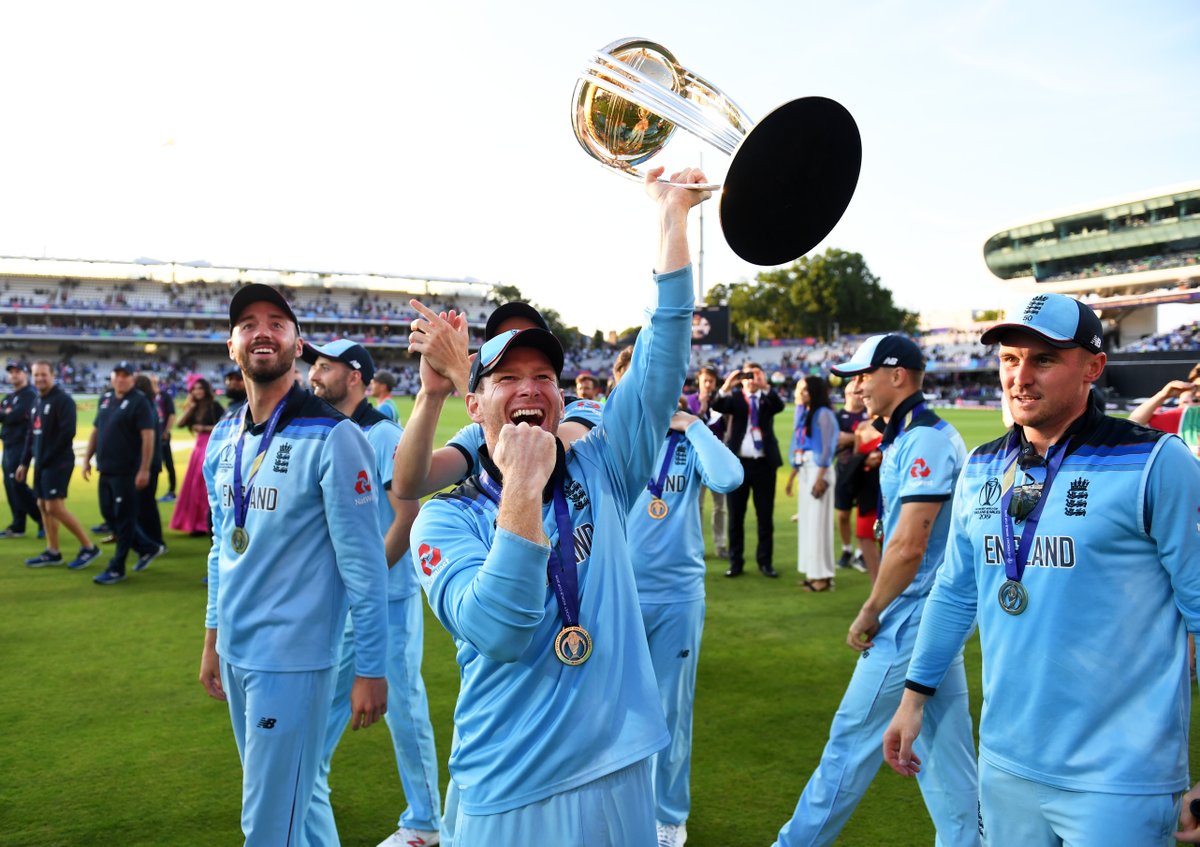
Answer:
x=1016 y=556
x=561 y=570
x=753 y=399
x=656 y=488
x=241 y=499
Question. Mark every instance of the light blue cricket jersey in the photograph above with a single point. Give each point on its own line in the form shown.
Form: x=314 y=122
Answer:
x=668 y=554
x=383 y=434
x=922 y=457
x=1088 y=689
x=529 y=725
x=280 y=605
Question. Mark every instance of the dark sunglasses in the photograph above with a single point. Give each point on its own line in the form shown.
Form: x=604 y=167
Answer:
x=1025 y=497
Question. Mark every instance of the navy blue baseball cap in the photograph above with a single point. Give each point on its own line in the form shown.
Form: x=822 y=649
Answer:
x=493 y=351
x=1057 y=319
x=124 y=366
x=883 y=351
x=17 y=365
x=350 y=353
x=254 y=293
x=512 y=309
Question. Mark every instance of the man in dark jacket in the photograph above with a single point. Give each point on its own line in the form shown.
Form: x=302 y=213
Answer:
x=751 y=404
x=16 y=415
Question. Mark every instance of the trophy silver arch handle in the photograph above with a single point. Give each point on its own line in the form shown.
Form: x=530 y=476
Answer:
x=699 y=107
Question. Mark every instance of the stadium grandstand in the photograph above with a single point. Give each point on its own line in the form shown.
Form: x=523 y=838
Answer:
x=1125 y=258
x=172 y=318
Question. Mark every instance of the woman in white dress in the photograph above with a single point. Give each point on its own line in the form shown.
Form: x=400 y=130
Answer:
x=813 y=444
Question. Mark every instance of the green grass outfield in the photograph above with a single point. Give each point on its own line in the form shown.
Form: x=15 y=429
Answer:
x=108 y=738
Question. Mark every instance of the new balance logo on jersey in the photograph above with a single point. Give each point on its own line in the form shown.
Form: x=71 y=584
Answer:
x=1033 y=307
x=576 y=494
x=683 y=654
x=430 y=558
x=1077 y=498
x=282 y=457
x=1048 y=551
x=266 y=723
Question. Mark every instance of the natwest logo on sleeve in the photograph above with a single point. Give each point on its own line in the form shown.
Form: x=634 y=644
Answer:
x=919 y=469
x=430 y=558
x=363 y=484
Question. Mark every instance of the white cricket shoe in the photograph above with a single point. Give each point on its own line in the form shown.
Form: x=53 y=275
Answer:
x=405 y=837
x=671 y=834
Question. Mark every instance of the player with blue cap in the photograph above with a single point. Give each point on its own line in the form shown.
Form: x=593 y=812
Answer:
x=1074 y=546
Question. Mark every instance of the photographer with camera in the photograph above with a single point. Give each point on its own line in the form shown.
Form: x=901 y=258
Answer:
x=752 y=405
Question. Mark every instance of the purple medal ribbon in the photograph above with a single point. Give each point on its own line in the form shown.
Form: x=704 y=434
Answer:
x=562 y=570
x=241 y=499
x=1015 y=556
x=656 y=487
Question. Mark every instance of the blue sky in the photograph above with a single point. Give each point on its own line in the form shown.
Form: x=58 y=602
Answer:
x=435 y=138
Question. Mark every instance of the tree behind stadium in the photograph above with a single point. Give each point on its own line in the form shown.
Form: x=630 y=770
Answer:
x=822 y=296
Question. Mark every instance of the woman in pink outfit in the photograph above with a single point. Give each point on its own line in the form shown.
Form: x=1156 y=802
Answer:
x=200 y=415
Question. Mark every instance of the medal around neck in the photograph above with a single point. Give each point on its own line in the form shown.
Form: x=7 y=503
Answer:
x=658 y=509
x=1013 y=597
x=239 y=539
x=573 y=645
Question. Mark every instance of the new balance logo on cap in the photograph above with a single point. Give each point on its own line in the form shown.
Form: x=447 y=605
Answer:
x=890 y=361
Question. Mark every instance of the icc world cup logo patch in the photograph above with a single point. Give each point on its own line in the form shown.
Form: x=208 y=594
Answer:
x=989 y=499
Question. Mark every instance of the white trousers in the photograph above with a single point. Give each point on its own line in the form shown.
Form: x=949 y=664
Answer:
x=814 y=523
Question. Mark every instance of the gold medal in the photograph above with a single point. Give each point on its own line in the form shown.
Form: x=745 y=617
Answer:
x=573 y=645
x=1013 y=597
x=658 y=509
x=240 y=539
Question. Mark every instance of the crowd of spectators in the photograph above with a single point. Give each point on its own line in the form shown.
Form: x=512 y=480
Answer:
x=1092 y=270
x=1184 y=337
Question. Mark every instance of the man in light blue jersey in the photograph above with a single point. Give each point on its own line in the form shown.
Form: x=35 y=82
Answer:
x=340 y=373
x=1075 y=546
x=558 y=712
x=922 y=457
x=419 y=470
x=666 y=543
x=293 y=494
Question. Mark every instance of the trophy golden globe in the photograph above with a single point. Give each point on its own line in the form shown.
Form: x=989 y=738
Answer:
x=791 y=176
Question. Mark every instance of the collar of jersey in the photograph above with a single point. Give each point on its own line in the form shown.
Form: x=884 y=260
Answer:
x=365 y=413
x=895 y=423
x=560 y=470
x=293 y=401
